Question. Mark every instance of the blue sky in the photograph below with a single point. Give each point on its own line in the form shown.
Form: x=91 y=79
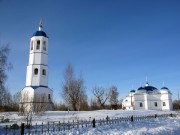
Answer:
x=109 y=42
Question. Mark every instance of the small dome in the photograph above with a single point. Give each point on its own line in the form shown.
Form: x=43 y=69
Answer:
x=133 y=91
x=40 y=33
x=164 y=88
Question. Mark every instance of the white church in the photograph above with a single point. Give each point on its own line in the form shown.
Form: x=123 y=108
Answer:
x=36 y=96
x=148 y=98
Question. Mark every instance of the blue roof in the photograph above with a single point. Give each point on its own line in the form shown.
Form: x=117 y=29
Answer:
x=147 y=88
x=132 y=91
x=40 y=33
x=164 y=88
x=35 y=87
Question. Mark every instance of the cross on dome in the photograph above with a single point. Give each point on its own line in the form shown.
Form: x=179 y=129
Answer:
x=147 y=84
x=40 y=25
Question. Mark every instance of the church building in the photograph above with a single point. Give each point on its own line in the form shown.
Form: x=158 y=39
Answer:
x=36 y=96
x=148 y=98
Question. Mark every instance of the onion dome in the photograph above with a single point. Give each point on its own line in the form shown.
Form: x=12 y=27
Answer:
x=40 y=32
x=165 y=90
x=147 y=88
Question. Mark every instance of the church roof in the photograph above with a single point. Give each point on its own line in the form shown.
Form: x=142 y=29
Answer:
x=147 y=88
x=40 y=33
x=35 y=87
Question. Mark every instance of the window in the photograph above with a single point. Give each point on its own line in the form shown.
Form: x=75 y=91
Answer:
x=155 y=104
x=164 y=103
x=49 y=96
x=140 y=104
x=43 y=72
x=38 y=45
x=35 y=71
x=31 y=45
x=44 y=45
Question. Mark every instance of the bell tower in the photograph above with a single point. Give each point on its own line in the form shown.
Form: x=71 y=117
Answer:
x=37 y=69
x=36 y=94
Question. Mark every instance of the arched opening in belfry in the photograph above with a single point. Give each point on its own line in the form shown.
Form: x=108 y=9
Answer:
x=43 y=72
x=35 y=71
x=38 y=45
x=44 y=45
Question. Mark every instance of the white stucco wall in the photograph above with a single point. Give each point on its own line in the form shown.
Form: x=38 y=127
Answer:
x=37 y=59
x=27 y=95
x=46 y=91
x=151 y=100
x=166 y=97
x=34 y=40
x=140 y=97
x=128 y=102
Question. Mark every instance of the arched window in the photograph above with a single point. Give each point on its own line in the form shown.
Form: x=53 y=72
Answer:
x=31 y=45
x=43 y=72
x=38 y=45
x=49 y=96
x=44 y=45
x=35 y=71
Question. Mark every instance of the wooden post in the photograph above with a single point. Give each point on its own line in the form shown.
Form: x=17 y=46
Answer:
x=132 y=119
x=6 y=129
x=59 y=125
x=42 y=128
x=22 y=128
x=36 y=129
x=94 y=123
x=48 y=127
x=53 y=126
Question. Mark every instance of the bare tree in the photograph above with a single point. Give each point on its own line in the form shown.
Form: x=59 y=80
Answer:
x=4 y=66
x=94 y=104
x=25 y=105
x=73 y=91
x=16 y=100
x=113 y=97
x=102 y=95
x=32 y=105
x=40 y=104
x=176 y=104
x=35 y=104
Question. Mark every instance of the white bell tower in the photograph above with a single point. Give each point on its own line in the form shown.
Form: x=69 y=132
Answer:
x=36 y=92
x=37 y=70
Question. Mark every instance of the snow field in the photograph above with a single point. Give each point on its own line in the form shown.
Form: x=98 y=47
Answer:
x=158 y=126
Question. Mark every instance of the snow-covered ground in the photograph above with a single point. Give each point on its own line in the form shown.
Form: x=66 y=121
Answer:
x=162 y=126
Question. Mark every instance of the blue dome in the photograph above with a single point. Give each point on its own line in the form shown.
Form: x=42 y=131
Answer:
x=147 y=88
x=132 y=91
x=164 y=88
x=40 y=33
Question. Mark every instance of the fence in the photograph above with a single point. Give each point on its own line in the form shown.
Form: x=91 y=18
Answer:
x=51 y=127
